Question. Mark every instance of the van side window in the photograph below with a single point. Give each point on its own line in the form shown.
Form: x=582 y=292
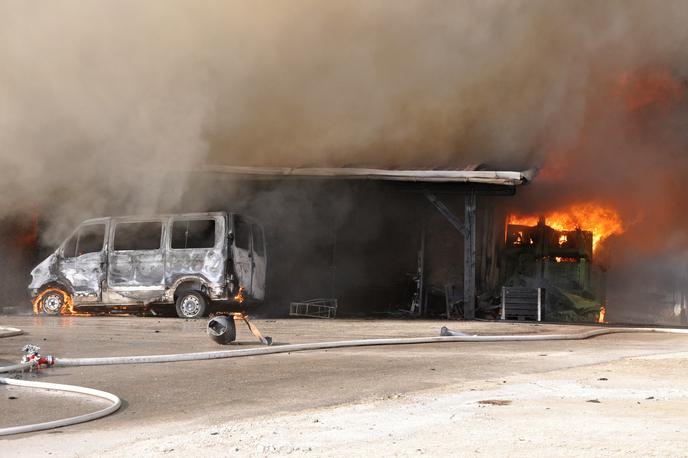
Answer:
x=137 y=236
x=243 y=234
x=70 y=246
x=193 y=234
x=91 y=239
x=258 y=240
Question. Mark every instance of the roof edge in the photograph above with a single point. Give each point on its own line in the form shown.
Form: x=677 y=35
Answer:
x=503 y=178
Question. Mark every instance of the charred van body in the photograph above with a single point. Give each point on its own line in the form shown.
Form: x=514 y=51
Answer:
x=186 y=260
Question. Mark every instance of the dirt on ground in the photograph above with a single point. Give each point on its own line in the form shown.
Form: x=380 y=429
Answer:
x=608 y=396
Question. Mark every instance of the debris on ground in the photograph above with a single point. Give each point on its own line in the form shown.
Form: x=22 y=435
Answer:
x=495 y=402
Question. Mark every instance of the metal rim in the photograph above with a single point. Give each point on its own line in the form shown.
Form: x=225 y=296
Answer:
x=53 y=302
x=190 y=306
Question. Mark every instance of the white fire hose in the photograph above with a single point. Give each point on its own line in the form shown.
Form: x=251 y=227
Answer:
x=115 y=401
x=446 y=336
x=10 y=332
x=116 y=404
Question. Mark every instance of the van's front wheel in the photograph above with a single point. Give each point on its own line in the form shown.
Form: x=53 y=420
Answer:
x=52 y=302
x=191 y=304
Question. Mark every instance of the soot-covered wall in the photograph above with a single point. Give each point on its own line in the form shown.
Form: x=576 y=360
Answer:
x=357 y=241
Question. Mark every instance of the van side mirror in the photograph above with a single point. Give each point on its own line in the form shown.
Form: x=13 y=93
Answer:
x=230 y=237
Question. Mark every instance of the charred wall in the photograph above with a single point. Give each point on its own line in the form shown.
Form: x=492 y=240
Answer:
x=357 y=240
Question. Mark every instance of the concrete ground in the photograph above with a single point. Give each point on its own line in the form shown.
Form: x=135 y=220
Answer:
x=608 y=396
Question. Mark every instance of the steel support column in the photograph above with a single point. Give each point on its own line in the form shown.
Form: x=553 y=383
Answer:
x=468 y=229
x=469 y=235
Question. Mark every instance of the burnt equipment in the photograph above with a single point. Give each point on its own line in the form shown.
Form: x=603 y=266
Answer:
x=222 y=328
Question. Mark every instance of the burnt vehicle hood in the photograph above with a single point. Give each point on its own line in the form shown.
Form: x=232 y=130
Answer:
x=43 y=272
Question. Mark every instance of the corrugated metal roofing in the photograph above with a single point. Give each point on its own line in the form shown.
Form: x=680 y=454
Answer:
x=504 y=178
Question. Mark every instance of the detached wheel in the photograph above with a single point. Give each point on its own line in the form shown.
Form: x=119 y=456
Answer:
x=52 y=302
x=191 y=304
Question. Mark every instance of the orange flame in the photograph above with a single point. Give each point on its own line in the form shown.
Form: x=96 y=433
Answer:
x=67 y=307
x=523 y=220
x=602 y=221
x=602 y=315
x=30 y=237
x=656 y=88
x=239 y=297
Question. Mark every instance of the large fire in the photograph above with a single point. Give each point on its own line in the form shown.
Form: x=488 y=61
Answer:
x=602 y=221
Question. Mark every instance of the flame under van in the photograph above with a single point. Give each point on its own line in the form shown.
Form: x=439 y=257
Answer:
x=182 y=260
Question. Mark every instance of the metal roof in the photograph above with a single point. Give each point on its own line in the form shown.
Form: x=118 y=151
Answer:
x=504 y=178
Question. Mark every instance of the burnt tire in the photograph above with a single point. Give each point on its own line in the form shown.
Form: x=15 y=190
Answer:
x=52 y=302
x=191 y=304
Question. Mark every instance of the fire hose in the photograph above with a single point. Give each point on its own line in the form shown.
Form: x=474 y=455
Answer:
x=446 y=335
x=10 y=332
x=116 y=403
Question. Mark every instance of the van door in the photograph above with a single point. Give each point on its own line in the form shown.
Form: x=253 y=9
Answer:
x=83 y=262
x=196 y=249
x=241 y=254
x=259 y=264
x=136 y=261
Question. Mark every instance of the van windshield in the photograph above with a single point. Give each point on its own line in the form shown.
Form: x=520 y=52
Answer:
x=88 y=239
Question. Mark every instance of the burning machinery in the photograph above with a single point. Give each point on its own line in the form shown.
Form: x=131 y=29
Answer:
x=564 y=258
x=538 y=256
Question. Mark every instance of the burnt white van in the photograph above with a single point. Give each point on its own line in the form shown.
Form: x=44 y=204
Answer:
x=183 y=260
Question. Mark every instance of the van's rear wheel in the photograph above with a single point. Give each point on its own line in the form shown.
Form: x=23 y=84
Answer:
x=191 y=304
x=52 y=303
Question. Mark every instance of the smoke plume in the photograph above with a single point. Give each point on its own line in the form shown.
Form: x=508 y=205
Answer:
x=105 y=105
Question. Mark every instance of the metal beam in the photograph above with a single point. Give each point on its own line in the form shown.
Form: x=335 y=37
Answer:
x=453 y=219
x=468 y=229
x=469 y=257
x=495 y=177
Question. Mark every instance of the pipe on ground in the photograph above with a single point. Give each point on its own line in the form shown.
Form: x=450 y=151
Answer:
x=113 y=407
x=10 y=332
x=446 y=335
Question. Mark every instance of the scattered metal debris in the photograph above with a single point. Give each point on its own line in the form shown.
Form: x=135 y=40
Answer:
x=495 y=402
x=314 y=308
x=522 y=303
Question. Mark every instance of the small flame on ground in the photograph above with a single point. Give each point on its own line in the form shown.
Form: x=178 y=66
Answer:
x=602 y=315
x=239 y=297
